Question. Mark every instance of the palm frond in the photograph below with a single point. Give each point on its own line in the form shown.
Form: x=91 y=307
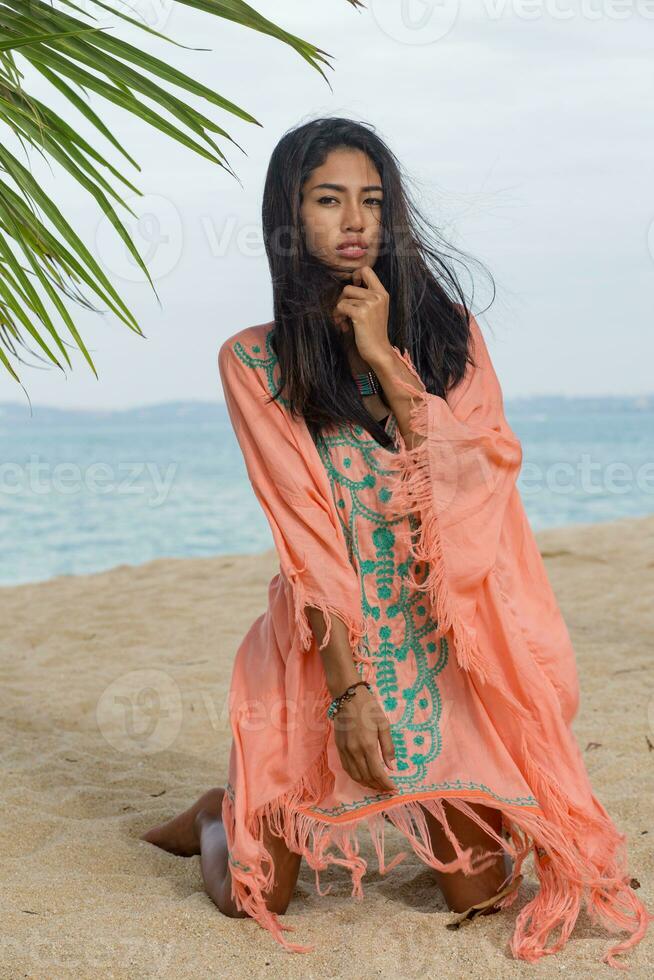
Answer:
x=75 y=57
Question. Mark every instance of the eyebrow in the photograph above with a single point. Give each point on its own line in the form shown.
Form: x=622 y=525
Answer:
x=339 y=187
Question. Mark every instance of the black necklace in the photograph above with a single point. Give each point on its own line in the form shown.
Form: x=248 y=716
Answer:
x=367 y=383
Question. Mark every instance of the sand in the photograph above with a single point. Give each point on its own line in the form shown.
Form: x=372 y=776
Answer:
x=114 y=689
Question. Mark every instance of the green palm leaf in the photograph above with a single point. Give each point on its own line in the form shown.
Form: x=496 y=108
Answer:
x=42 y=258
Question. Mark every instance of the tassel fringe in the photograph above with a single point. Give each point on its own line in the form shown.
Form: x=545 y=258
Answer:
x=356 y=626
x=567 y=876
x=314 y=839
x=411 y=491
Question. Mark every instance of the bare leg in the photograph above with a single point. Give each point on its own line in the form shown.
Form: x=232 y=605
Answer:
x=459 y=890
x=200 y=830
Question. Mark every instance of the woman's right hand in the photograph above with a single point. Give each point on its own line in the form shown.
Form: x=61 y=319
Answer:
x=361 y=728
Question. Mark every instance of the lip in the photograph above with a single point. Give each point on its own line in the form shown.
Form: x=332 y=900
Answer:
x=352 y=251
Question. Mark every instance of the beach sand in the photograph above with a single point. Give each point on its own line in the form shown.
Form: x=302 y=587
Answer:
x=114 y=694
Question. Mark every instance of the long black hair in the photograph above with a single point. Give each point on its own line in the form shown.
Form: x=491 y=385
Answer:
x=428 y=314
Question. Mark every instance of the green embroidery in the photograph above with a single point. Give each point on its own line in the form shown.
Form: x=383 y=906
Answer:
x=400 y=627
x=456 y=784
x=405 y=626
x=237 y=864
x=266 y=363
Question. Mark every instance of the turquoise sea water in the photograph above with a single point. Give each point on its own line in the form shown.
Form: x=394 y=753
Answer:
x=83 y=491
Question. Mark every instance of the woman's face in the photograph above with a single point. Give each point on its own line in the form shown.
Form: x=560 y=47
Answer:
x=342 y=202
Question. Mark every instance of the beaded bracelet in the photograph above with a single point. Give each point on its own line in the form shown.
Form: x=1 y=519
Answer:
x=345 y=696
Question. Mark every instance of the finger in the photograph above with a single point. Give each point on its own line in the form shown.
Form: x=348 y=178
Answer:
x=351 y=767
x=372 y=280
x=387 y=746
x=355 y=292
x=367 y=777
x=373 y=772
x=381 y=778
x=346 y=304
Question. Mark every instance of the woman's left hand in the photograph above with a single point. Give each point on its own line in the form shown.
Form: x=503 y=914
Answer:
x=366 y=303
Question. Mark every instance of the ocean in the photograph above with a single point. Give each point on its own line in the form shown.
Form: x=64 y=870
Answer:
x=83 y=491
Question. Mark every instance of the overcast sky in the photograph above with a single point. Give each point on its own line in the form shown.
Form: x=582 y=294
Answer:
x=526 y=130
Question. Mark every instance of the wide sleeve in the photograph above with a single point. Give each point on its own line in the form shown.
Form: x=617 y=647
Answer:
x=462 y=480
x=291 y=485
x=459 y=478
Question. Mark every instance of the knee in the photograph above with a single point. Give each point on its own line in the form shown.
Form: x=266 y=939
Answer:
x=228 y=907
x=278 y=903
x=227 y=904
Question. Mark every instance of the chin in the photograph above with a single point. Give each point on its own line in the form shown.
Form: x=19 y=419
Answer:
x=348 y=266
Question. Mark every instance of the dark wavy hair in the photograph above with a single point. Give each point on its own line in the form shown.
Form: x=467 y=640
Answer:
x=428 y=314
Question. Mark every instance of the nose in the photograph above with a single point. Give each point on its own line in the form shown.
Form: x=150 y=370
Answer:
x=353 y=217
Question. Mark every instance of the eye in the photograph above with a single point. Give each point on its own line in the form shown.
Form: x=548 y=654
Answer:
x=369 y=200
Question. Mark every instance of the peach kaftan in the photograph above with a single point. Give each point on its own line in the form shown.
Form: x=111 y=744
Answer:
x=427 y=556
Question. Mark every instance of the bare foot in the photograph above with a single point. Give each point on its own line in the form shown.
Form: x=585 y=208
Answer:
x=200 y=830
x=181 y=835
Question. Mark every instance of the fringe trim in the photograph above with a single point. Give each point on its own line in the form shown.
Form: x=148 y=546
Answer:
x=356 y=625
x=412 y=492
x=569 y=873
x=312 y=838
x=567 y=876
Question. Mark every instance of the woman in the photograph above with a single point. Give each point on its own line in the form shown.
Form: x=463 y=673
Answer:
x=412 y=666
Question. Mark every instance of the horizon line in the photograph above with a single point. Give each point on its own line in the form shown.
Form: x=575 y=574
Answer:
x=205 y=401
